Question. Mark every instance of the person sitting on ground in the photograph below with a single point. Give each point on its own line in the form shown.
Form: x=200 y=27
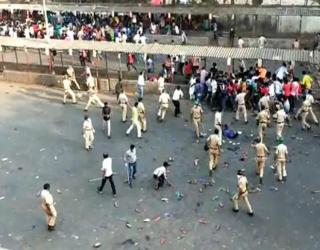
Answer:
x=229 y=133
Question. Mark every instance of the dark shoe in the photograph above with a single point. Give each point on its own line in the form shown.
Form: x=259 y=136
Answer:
x=284 y=178
x=51 y=228
x=130 y=185
x=124 y=121
x=260 y=181
x=280 y=180
x=63 y=103
x=235 y=210
x=127 y=134
x=250 y=214
x=210 y=173
x=109 y=137
x=134 y=177
x=114 y=195
x=85 y=110
x=246 y=122
x=98 y=191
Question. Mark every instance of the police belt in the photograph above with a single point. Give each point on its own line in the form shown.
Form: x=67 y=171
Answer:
x=262 y=122
x=280 y=122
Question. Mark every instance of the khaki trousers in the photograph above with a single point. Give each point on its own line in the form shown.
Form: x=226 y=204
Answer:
x=243 y=197
x=280 y=126
x=107 y=126
x=93 y=98
x=124 y=108
x=219 y=134
x=70 y=93
x=260 y=164
x=304 y=123
x=88 y=138
x=262 y=130
x=241 y=109
x=51 y=214
x=138 y=127
x=281 y=169
x=313 y=116
x=214 y=156
x=143 y=121
x=162 y=111
x=197 y=124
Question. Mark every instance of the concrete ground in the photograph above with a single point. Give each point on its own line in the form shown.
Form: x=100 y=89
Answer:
x=42 y=142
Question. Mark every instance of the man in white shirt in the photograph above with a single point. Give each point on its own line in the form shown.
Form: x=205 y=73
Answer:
x=203 y=75
x=262 y=41
x=140 y=85
x=107 y=174
x=218 y=124
x=160 y=175
x=164 y=99
x=282 y=72
x=130 y=161
x=48 y=207
x=88 y=132
x=177 y=94
x=240 y=42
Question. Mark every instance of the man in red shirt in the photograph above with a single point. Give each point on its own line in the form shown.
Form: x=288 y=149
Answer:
x=130 y=62
x=287 y=89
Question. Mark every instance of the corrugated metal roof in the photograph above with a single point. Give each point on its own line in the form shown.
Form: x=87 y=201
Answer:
x=166 y=49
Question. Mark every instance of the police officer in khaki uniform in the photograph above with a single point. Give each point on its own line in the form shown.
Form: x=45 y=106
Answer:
x=88 y=132
x=123 y=101
x=242 y=193
x=304 y=112
x=265 y=102
x=213 y=145
x=240 y=99
x=261 y=151
x=281 y=159
x=164 y=99
x=196 y=117
x=92 y=93
x=280 y=116
x=142 y=115
x=48 y=207
x=68 y=91
x=263 y=119
x=71 y=75
x=310 y=98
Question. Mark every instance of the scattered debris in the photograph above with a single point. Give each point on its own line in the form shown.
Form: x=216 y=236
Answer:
x=180 y=237
x=196 y=162
x=2 y=198
x=234 y=148
x=254 y=190
x=221 y=205
x=215 y=198
x=200 y=190
x=4 y=159
x=19 y=168
x=157 y=219
x=115 y=204
x=147 y=237
x=272 y=188
x=179 y=196
x=171 y=159
x=193 y=181
x=202 y=221
x=42 y=149
x=59 y=191
x=37 y=177
x=128 y=241
x=55 y=158
x=137 y=211
x=162 y=241
x=128 y=225
x=315 y=191
x=165 y=200
x=146 y=220
x=217 y=227
x=224 y=189
x=97 y=245
x=75 y=236
x=226 y=164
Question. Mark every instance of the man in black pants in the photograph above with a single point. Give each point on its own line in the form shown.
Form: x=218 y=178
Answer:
x=107 y=174
x=177 y=94
x=160 y=175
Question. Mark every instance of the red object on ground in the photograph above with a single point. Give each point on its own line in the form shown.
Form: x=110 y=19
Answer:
x=156 y=2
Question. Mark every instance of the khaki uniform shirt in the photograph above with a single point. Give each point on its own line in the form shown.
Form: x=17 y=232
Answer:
x=213 y=141
x=306 y=106
x=265 y=101
x=123 y=99
x=164 y=99
x=196 y=112
x=240 y=98
x=281 y=152
x=66 y=84
x=242 y=184
x=281 y=116
x=87 y=125
x=263 y=117
x=261 y=150
x=46 y=197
